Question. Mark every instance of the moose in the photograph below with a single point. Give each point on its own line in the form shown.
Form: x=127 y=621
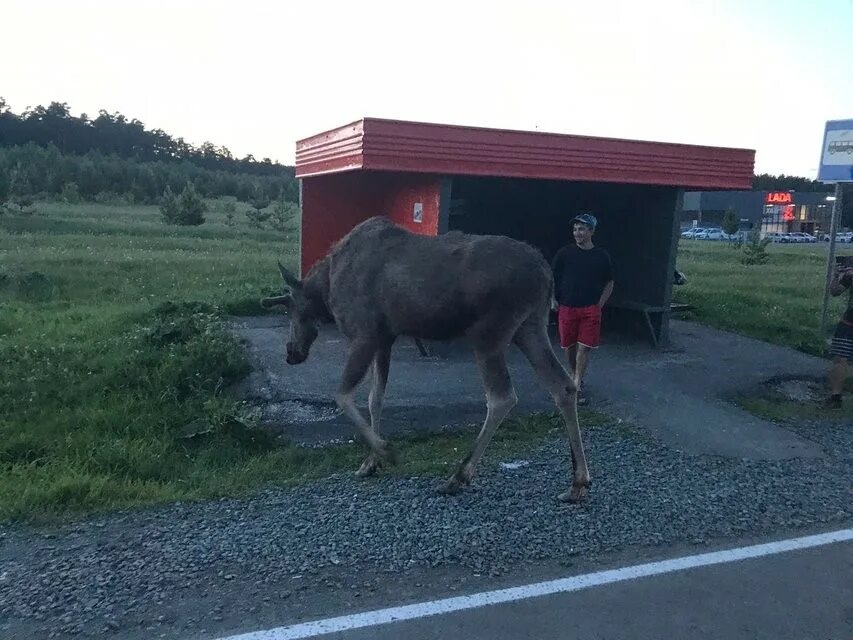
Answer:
x=381 y=281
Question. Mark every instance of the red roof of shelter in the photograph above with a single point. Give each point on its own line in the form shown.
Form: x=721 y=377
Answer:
x=394 y=145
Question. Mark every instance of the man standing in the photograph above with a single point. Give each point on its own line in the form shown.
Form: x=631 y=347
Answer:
x=841 y=349
x=583 y=281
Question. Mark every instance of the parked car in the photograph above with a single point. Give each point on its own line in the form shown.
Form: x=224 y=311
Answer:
x=800 y=236
x=846 y=236
x=711 y=234
x=691 y=233
x=775 y=236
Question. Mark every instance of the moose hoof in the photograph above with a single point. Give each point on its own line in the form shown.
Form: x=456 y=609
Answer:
x=451 y=488
x=377 y=459
x=575 y=495
x=389 y=454
x=370 y=466
x=456 y=482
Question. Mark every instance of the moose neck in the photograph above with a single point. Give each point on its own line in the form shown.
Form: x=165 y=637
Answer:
x=316 y=285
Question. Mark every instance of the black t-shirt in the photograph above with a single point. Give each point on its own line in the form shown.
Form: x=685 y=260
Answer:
x=580 y=275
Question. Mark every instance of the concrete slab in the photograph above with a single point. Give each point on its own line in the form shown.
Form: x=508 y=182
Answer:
x=676 y=393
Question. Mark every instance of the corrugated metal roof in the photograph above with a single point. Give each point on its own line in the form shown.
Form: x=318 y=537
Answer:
x=394 y=145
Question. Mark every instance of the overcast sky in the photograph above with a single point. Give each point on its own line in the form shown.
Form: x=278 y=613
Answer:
x=257 y=76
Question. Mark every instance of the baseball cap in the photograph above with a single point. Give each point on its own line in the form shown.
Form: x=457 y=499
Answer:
x=586 y=218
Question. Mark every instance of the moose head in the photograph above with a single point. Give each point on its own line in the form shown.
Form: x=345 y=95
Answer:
x=305 y=309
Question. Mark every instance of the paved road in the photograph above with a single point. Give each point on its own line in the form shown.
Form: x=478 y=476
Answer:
x=797 y=595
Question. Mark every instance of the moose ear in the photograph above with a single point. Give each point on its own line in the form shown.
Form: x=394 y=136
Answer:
x=276 y=300
x=289 y=279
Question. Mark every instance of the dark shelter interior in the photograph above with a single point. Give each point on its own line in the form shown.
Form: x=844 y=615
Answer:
x=637 y=225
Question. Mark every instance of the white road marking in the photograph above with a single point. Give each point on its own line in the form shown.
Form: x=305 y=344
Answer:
x=536 y=590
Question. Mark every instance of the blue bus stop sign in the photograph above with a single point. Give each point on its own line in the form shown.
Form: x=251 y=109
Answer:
x=836 y=157
x=836 y=165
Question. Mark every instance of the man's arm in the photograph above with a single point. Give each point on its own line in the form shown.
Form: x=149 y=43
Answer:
x=836 y=285
x=605 y=295
x=608 y=288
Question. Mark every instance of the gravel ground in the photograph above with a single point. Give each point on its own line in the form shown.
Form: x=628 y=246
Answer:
x=107 y=575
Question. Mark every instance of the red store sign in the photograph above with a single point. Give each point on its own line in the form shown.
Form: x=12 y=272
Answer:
x=779 y=197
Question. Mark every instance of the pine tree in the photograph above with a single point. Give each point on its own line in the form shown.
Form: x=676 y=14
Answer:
x=259 y=201
x=169 y=208
x=729 y=223
x=191 y=207
x=4 y=189
x=755 y=251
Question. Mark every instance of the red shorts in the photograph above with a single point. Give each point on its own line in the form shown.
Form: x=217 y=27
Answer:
x=579 y=325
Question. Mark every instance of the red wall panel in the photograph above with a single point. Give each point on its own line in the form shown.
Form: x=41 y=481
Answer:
x=331 y=206
x=402 y=192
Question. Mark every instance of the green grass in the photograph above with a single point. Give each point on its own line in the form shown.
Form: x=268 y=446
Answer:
x=112 y=343
x=425 y=453
x=779 y=302
x=111 y=340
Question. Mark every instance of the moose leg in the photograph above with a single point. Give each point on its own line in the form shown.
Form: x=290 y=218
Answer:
x=500 y=399
x=532 y=339
x=381 y=364
x=360 y=355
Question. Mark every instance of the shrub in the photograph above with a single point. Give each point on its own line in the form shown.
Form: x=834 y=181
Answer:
x=257 y=214
x=191 y=207
x=169 y=207
x=755 y=250
x=70 y=193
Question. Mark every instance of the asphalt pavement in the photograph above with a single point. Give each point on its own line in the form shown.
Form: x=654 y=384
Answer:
x=792 y=595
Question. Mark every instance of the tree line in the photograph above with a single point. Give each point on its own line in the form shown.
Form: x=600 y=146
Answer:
x=768 y=182
x=41 y=173
x=115 y=134
x=45 y=150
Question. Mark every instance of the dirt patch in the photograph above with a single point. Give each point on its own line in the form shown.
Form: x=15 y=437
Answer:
x=795 y=400
x=801 y=390
x=288 y=411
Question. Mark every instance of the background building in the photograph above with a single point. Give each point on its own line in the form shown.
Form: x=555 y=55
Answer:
x=771 y=211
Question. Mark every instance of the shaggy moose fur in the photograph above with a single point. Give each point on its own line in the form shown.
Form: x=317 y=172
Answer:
x=381 y=281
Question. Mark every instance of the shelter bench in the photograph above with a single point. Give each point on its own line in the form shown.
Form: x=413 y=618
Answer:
x=646 y=310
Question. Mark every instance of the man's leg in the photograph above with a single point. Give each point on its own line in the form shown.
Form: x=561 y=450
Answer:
x=837 y=376
x=571 y=358
x=589 y=336
x=567 y=323
x=841 y=352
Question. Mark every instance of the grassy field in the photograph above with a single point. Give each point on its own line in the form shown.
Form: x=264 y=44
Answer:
x=112 y=342
x=779 y=301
